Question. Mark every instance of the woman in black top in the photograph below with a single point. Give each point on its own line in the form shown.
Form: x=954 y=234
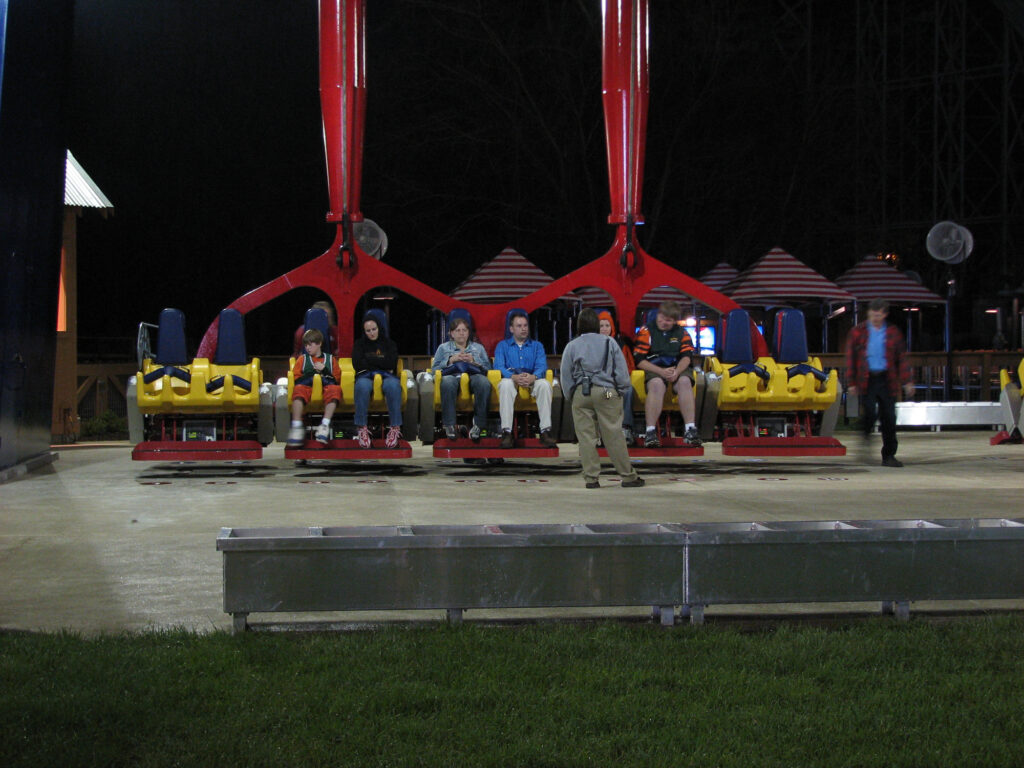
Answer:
x=374 y=353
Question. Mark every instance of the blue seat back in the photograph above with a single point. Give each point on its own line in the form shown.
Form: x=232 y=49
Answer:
x=508 y=319
x=230 y=339
x=651 y=318
x=379 y=317
x=790 y=342
x=170 y=342
x=461 y=313
x=734 y=342
x=317 y=318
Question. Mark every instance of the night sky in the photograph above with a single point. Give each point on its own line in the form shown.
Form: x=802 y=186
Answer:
x=201 y=122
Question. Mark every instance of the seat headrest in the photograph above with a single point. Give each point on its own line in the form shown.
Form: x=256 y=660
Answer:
x=790 y=337
x=380 y=318
x=170 y=342
x=230 y=339
x=508 y=319
x=317 y=318
x=460 y=313
x=735 y=344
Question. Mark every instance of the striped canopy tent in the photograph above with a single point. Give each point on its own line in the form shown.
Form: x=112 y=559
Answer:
x=873 y=278
x=778 y=278
x=593 y=297
x=655 y=296
x=720 y=275
x=506 y=277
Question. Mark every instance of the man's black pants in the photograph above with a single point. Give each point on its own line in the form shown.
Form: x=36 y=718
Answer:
x=879 y=403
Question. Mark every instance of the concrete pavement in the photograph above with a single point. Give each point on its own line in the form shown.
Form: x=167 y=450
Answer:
x=98 y=543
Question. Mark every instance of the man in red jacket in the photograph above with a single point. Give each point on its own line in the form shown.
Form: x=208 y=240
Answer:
x=876 y=369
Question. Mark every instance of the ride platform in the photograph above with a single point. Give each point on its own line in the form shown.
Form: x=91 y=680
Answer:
x=782 y=446
x=349 y=450
x=490 y=448
x=197 y=450
x=670 y=446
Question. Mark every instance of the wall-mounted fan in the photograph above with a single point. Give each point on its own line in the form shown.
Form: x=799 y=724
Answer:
x=949 y=242
x=371 y=238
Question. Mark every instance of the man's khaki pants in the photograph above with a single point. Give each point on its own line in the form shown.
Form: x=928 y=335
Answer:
x=595 y=415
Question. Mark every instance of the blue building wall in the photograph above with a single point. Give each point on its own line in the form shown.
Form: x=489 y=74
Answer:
x=35 y=51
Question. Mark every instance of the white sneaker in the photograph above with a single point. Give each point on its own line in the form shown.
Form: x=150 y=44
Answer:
x=627 y=433
x=323 y=434
x=296 y=436
x=474 y=433
x=449 y=431
x=393 y=436
x=364 y=437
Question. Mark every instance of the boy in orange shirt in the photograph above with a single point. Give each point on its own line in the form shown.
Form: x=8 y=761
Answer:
x=311 y=363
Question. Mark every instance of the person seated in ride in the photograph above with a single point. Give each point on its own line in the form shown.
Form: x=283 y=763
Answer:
x=332 y=328
x=453 y=358
x=374 y=353
x=607 y=328
x=312 y=362
x=664 y=353
x=522 y=363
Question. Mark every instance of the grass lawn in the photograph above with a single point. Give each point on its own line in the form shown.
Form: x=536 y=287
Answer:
x=865 y=693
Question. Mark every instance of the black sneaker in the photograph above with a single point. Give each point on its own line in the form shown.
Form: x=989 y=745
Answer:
x=638 y=483
x=891 y=461
x=651 y=440
x=692 y=436
x=593 y=484
x=506 y=440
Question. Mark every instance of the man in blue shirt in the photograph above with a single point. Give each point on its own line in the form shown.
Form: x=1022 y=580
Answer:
x=522 y=363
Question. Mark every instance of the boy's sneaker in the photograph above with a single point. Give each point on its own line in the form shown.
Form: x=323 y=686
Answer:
x=651 y=439
x=692 y=436
x=547 y=440
x=506 y=440
x=323 y=434
x=449 y=431
x=627 y=433
x=474 y=433
x=296 y=437
x=393 y=436
x=363 y=436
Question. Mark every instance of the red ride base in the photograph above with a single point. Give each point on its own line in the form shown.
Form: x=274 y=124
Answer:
x=206 y=450
x=488 y=448
x=349 y=450
x=670 y=446
x=782 y=446
x=1002 y=437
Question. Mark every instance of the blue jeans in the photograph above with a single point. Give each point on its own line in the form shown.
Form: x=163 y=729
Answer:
x=481 y=389
x=392 y=389
x=627 y=408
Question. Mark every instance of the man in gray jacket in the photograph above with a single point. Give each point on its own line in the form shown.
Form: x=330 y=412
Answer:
x=594 y=376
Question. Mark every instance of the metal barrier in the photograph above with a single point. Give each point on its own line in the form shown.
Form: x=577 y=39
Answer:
x=662 y=565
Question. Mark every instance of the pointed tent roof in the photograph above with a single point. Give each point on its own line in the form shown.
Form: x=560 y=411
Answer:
x=79 y=188
x=719 y=275
x=873 y=278
x=779 y=277
x=593 y=297
x=661 y=293
x=506 y=277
